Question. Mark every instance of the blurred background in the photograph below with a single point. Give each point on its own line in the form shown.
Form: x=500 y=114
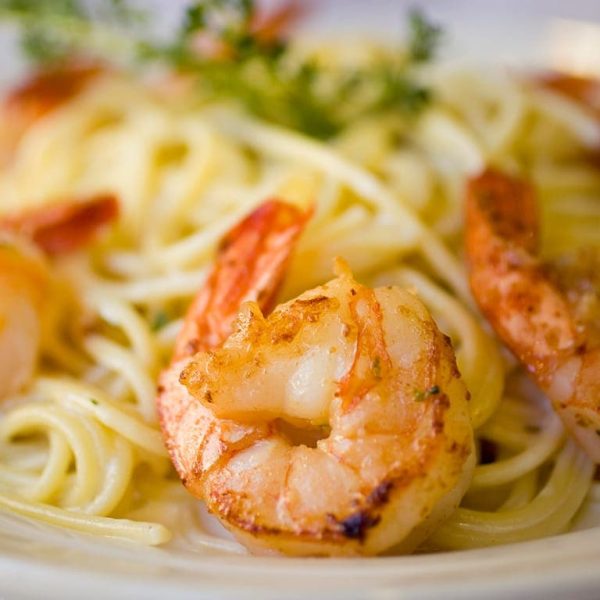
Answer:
x=558 y=33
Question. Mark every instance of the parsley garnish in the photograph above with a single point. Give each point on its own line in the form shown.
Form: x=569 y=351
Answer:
x=161 y=318
x=425 y=37
x=219 y=43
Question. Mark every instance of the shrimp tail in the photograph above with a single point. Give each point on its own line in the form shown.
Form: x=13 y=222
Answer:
x=63 y=227
x=250 y=265
x=251 y=262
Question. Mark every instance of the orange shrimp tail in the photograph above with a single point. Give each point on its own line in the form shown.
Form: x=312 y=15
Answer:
x=500 y=208
x=250 y=265
x=66 y=226
x=507 y=280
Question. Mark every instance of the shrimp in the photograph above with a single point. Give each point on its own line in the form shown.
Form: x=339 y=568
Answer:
x=584 y=90
x=37 y=97
x=25 y=278
x=337 y=425
x=63 y=227
x=544 y=325
x=23 y=283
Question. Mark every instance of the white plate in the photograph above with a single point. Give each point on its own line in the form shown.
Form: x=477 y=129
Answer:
x=40 y=562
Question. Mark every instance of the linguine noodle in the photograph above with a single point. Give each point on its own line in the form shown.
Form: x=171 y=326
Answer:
x=80 y=447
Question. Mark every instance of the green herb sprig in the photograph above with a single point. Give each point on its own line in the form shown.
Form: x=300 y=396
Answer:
x=256 y=70
x=52 y=30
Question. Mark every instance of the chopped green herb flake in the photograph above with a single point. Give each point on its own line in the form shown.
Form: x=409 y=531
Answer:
x=377 y=367
x=94 y=401
x=421 y=395
x=161 y=318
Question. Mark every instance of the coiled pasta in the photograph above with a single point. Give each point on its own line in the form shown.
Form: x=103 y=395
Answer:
x=81 y=448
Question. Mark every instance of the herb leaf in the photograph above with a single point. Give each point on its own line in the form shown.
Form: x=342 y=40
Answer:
x=425 y=37
x=161 y=318
x=38 y=43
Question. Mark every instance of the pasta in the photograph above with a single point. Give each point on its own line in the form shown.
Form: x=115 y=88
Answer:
x=80 y=447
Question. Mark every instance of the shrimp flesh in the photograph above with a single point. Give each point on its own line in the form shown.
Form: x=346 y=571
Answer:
x=24 y=276
x=543 y=324
x=337 y=425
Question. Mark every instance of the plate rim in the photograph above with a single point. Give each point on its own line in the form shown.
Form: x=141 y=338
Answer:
x=544 y=568
x=567 y=562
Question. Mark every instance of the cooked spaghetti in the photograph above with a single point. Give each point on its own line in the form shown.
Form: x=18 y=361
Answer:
x=80 y=446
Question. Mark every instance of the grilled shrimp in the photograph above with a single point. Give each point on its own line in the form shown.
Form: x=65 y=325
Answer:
x=337 y=425
x=584 y=90
x=553 y=331
x=23 y=282
x=37 y=97
x=65 y=226
x=24 y=276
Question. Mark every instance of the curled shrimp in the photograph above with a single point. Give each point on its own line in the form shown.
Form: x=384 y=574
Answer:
x=25 y=278
x=337 y=425
x=544 y=325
